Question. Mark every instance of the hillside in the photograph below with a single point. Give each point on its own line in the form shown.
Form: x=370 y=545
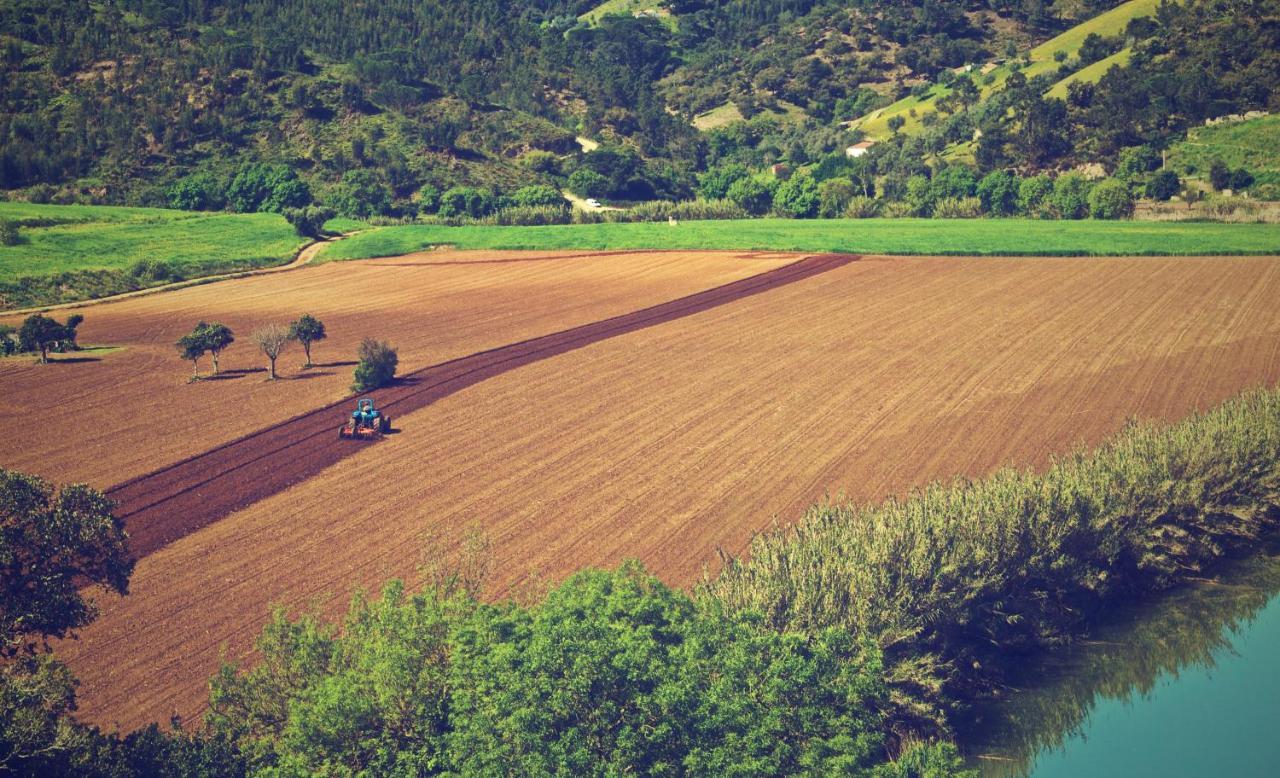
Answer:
x=377 y=112
x=1253 y=145
x=1055 y=56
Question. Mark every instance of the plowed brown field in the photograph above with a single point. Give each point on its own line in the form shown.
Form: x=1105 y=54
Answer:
x=665 y=442
x=132 y=411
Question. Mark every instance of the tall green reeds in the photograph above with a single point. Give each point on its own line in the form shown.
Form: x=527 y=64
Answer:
x=955 y=581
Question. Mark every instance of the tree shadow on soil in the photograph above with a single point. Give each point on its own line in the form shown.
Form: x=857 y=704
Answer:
x=309 y=374
x=72 y=360
x=347 y=363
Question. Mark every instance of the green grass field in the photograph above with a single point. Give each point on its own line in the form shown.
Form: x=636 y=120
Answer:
x=989 y=237
x=627 y=8
x=68 y=237
x=76 y=252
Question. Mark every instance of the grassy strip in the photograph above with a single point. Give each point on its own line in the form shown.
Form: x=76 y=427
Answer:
x=987 y=237
x=69 y=253
x=956 y=581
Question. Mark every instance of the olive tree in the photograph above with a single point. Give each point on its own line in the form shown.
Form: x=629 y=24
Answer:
x=271 y=340
x=307 y=330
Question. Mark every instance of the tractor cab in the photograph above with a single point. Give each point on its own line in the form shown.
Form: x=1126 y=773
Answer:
x=366 y=422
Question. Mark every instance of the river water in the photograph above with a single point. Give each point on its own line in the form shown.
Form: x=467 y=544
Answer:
x=1185 y=685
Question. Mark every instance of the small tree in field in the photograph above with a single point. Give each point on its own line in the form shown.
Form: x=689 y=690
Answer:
x=377 y=365
x=40 y=333
x=271 y=340
x=307 y=330
x=191 y=347
x=216 y=338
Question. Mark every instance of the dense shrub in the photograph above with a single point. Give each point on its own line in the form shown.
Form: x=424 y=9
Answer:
x=753 y=195
x=797 y=196
x=715 y=183
x=466 y=201
x=9 y=234
x=957 y=208
x=1033 y=195
x=834 y=195
x=360 y=195
x=998 y=191
x=377 y=365
x=588 y=183
x=197 y=192
x=1110 y=199
x=612 y=673
x=532 y=216
x=262 y=187
x=1070 y=197
x=1163 y=185
x=861 y=207
x=1029 y=558
x=539 y=195
x=308 y=222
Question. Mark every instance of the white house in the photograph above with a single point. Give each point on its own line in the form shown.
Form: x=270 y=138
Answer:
x=858 y=149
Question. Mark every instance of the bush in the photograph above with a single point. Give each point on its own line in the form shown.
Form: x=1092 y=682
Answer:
x=956 y=181
x=919 y=196
x=377 y=365
x=685 y=210
x=1070 y=198
x=861 y=207
x=834 y=195
x=586 y=182
x=957 y=208
x=308 y=222
x=1029 y=558
x=1110 y=199
x=798 y=197
x=715 y=183
x=1033 y=195
x=197 y=192
x=531 y=216
x=360 y=195
x=998 y=192
x=150 y=271
x=753 y=195
x=260 y=187
x=428 y=199
x=466 y=201
x=539 y=195
x=1163 y=185
x=9 y=234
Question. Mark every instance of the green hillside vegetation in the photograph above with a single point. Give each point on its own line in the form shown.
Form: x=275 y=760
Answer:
x=629 y=8
x=1039 y=60
x=1090 y=74
x=68 y=253
x=1253 y=145
x=723 y=115
x=871 y=236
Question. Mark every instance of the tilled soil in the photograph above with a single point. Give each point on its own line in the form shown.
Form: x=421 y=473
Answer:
x=667 y=442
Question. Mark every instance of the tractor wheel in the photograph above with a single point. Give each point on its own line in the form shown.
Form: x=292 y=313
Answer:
x=386 y=424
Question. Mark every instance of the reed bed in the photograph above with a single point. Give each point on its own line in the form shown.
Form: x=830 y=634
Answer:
x=957 y=581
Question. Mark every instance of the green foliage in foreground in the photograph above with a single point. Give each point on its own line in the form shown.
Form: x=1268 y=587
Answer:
x=613 y=673
x=70 y=252
x=956 y=581
x=1010 y=237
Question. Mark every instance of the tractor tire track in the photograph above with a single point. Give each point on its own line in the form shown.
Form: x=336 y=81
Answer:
x=168 y=504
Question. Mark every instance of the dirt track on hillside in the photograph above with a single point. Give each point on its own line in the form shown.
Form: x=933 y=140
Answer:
x=166 y=505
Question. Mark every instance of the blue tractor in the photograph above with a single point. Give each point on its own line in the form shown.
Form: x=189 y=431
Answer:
x=366 y=423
